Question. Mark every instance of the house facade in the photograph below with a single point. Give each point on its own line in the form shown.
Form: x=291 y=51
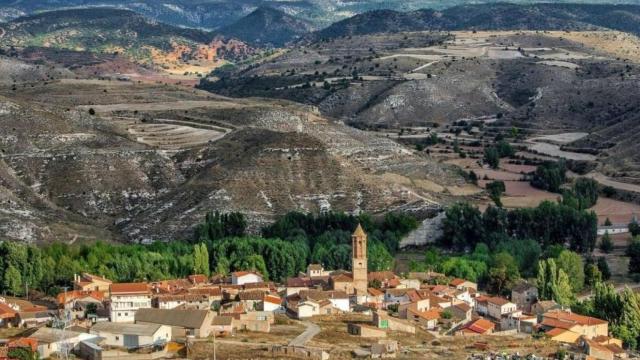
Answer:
x=126 y=299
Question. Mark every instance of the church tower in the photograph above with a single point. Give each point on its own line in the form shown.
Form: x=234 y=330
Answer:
x=359 y=261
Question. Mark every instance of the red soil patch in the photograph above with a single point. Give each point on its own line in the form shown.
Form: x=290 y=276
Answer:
x=518 y=168
x=498 y=175
x=618 y=212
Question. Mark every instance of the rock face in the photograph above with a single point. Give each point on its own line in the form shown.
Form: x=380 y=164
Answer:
x=429 y=231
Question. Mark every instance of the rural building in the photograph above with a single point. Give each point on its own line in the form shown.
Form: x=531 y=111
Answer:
x=188 y=301
x=222 y=325
x=89 y=282
x=271 y=303
x=497 y=306
x=544 y=306
x=131 y=336
x=366 y=331
x=416 y=306
x=586 y=326
x=462 y=284
x=126 y=299
x=613 y=229
x=7 y=315
x=524 y=295
x=259 y=321
x=183 y=322
x=245 y=277
x=426 y=319
x=316 y=271
x=51 y=341
x=461 y=311
x=342 y=282
x=382 y=320
x=476 y=327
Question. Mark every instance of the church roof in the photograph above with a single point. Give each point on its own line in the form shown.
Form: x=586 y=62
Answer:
x=359 y=232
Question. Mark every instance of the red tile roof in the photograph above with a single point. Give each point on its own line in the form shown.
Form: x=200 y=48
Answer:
x=480 y=326
x=198 y=279
x=567 y=316
x=457 y=282
x=129 y=288
x=78 y=294
x=6 y=312
x=272 y=299
x=498 y=300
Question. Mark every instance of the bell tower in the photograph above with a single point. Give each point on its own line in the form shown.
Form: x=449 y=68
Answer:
x=359 y=261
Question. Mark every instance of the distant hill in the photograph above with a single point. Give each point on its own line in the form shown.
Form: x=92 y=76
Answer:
x=96 y=28
x=501 y=16
x=267 y=26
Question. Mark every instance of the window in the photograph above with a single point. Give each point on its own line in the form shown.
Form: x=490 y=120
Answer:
x=117 y=338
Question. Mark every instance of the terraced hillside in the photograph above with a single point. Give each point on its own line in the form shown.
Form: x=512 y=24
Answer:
x=90 y=159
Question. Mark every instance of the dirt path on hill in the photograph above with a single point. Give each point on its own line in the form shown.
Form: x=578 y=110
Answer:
x=311 y=331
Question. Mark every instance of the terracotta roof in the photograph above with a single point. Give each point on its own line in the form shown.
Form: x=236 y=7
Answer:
x=209 y=291
x=341 y=278
x=559 y=324
x=381 y=275
x=457 y=282
x=393 y=282
x=318 y=295
x=24 y=342
x=222 y=320
x=251 y=295
x=413 y=295
x=298 y=282
x=183 y=297
x=129 y=288
x=272 y=299
x=480 y=326
x=359 y=231
x=6 y=312
x=555 y=332
x=574 y=318
x=375 y=292
x=397 y=292
x=77 y=294
x=463 y=306
x=198 y=279
x=498 y=300
x=432 y=314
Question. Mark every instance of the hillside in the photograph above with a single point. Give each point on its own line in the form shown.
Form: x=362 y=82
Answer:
x=502 y=16
x=267 y=27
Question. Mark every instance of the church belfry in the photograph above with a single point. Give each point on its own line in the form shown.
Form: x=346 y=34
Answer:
x=359 y=261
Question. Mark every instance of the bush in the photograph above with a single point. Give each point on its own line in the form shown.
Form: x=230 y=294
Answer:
x=550 y=176
x=606 y=245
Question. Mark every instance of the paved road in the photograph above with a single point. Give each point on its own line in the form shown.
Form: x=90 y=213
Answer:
x=311 y=331
x=619 y=288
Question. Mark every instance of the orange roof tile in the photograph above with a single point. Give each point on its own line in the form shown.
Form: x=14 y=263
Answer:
x=129 y=288
x=77 y=294
x=6 y=312
x=573 y=317
x=480 y=326
x=272 y=299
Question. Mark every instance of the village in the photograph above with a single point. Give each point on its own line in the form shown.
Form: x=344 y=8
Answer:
x=382 y=314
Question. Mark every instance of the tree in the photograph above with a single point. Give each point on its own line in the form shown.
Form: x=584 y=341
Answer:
x=592 y=275
x=634 y=228
x=492 y=157
x=607 y=222
x=503 y=273
x=378 y=258
x=13 y=281
x=571 y=263
x=606 y=245
x=586 y=190
x=603 y=266
x=549 y=176
x=553 y=283
x=462 y=226
x=505 y=149
x=496 y=189
x=633 y=252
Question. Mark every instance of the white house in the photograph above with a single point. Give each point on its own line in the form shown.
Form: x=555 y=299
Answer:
x=308 y=309
x=126 y=299
x=613 y=229
x=272 y=303
x=131 y=336
x=245 y=277
x=497 y=306
x=51 y=341
x=396 y=296
x=339 y=301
